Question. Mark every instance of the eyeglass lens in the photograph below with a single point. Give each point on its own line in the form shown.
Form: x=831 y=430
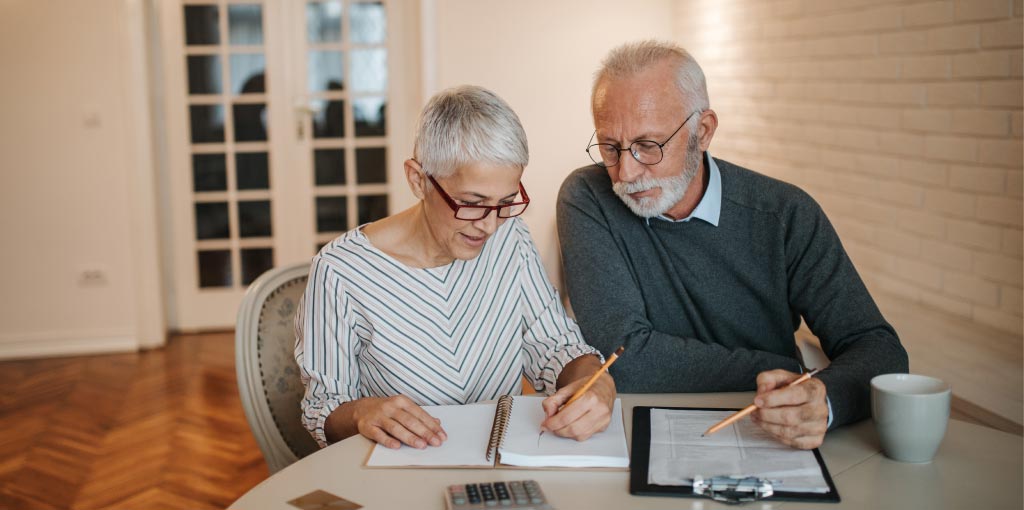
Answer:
x=646 y=152
x=475 y=213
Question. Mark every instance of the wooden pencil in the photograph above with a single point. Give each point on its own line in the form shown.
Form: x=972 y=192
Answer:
x=751 y=408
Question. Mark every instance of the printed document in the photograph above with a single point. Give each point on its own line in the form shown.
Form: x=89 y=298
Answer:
x=678 y=452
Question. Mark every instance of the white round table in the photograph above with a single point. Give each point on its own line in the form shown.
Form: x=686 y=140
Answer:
x=976 y=467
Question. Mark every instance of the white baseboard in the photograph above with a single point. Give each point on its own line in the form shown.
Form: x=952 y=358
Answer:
x=52 y=345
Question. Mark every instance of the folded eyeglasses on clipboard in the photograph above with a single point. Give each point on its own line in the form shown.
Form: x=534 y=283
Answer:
x=733 y=489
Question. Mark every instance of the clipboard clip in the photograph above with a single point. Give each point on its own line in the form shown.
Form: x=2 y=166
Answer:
x=733 y=489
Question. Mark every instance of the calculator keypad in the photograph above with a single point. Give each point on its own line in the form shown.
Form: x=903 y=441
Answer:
x=518 y=495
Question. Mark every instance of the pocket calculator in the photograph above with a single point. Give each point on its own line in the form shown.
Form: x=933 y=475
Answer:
x=518 y=495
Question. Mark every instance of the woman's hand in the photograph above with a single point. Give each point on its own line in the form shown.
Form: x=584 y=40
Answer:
x=394 y=421
x=588 y=415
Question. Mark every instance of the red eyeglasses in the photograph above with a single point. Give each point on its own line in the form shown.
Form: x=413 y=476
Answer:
x=479 y=212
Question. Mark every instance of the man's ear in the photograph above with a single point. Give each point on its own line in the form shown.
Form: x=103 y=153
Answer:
x=415 y=177
x=707 y=126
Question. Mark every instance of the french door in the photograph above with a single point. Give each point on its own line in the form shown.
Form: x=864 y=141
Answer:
x=279 y=123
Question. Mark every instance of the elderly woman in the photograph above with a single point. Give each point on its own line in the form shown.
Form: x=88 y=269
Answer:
x=445 y=302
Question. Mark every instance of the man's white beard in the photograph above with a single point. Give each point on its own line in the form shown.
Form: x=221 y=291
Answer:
x=672 y=188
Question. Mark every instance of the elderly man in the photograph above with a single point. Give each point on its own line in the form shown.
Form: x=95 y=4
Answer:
x=704 y=269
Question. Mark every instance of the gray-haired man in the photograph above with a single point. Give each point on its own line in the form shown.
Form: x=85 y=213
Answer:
x=703 y=268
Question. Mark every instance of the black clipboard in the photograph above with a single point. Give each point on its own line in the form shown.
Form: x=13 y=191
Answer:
x=640 y=456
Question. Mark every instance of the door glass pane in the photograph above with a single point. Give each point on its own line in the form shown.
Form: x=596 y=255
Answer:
x=209 y=172
x=212 y=220
x=329 y=119
x=371 y=165
x=245 y=24
x=214 y=268
x=369 y=24
x=201 y=24
x=323 y=22
x=254 y=218
x=325 y=71
x=251 y=170
x=247 y=73
x=204 y=74
x=331 y=214
x=255 y=261
x=329 y=166
x=372 y=208
x=369 y=114
x=250 y=122
x=369 y=70
x=207 y=122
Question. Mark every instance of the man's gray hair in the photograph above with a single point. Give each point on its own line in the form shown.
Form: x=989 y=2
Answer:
x=634 y=58
x=468 y=124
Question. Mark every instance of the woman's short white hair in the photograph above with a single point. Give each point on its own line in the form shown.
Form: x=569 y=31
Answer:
x=633 y=58
x=468 y=124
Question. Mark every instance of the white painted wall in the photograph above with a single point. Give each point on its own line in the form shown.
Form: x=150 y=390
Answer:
x=539 y=56
x=73 y=161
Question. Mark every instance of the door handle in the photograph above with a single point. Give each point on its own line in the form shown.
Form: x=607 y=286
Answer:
x=302 y=112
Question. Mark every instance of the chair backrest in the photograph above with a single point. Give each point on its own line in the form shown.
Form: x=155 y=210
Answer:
x=268 y=378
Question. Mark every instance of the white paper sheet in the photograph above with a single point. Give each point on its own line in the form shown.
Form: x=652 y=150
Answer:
x=678 y=452
x=525 y=446
x=468 y=428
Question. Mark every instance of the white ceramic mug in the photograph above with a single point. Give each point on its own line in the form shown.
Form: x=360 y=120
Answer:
x=910 y=412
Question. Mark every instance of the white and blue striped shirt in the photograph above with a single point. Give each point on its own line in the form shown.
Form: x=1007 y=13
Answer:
x=467 y=331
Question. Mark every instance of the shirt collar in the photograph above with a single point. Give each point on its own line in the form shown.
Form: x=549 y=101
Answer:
x=709 y=208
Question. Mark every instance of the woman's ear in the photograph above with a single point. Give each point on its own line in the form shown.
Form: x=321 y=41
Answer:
x=414 y=175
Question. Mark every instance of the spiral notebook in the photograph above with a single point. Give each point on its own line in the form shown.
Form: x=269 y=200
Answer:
x=507 y=434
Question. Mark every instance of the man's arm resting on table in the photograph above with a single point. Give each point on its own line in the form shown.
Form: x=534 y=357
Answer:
x=827 y=292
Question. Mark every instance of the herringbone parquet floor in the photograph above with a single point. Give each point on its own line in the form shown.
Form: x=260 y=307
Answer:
x=162 y=429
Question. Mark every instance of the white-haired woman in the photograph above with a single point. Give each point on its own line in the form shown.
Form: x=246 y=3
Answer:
x=445 y=302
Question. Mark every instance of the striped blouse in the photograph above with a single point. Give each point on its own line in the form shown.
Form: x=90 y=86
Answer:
x=467 y=331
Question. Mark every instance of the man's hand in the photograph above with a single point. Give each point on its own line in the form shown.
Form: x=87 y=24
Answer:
x=393 y=421
x=588 y=415
x=797 y=415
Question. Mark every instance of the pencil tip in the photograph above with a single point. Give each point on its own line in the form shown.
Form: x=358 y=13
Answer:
x=702 y=435
x=620 y=350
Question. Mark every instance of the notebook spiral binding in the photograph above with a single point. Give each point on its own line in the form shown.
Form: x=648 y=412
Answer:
x=501 y=417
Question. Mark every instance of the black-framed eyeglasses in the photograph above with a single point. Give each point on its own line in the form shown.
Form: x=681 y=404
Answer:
x=647 y=152
x=479 y=212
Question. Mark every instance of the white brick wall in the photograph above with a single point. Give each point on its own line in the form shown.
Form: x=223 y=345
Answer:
x=902 y=118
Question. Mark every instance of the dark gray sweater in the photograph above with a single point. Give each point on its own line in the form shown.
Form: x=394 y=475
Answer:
x=704 y=308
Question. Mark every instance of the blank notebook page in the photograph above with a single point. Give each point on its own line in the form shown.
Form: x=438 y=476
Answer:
x=468 y=428
x=525 y=446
